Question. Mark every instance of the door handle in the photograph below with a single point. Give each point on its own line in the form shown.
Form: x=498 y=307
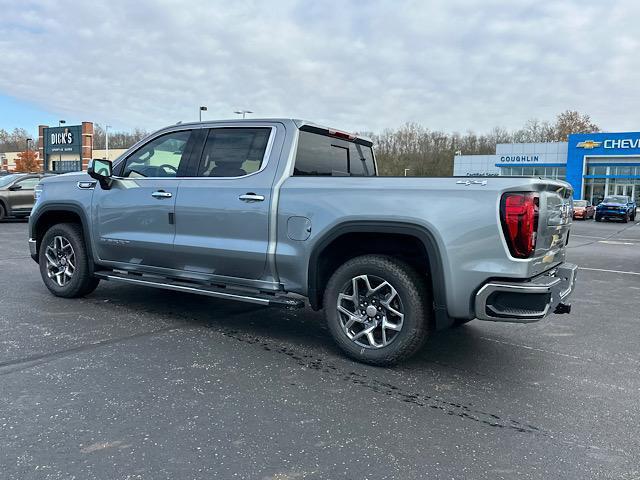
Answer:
x=161 y=194
x=251 y=197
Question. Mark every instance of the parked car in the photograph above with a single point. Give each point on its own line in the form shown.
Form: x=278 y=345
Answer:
x=583 y=209
x=16 y=194
x=267 y=211
x=616 y=206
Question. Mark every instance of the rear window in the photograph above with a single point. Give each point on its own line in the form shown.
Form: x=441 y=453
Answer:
x=320 y=155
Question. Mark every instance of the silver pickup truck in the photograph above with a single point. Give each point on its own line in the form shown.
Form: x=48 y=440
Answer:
x=273 y=211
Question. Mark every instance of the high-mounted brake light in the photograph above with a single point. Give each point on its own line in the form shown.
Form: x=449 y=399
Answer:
x=339 y=134
x=519 y=217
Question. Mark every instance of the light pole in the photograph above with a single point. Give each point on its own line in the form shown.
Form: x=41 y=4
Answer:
x=60 y=123
x=202 y=109
x=405 y=171
x=243 y=113
x=106 y=139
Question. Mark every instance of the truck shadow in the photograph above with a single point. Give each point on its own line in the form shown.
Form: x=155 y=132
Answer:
x=298 y=330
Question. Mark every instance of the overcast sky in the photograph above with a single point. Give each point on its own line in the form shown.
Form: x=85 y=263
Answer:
x=358 y=65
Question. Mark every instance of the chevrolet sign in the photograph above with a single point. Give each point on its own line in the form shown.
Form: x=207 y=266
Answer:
x=622 y=143
x=589 y=144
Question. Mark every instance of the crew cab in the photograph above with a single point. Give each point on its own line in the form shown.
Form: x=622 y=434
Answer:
x=277 y=211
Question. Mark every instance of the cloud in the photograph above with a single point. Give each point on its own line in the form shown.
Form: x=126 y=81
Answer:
x=450 y=65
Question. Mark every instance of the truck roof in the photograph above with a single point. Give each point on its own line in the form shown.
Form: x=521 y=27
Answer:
x=301 y=124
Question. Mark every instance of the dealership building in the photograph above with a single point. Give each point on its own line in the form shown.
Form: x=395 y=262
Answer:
x=596 y=164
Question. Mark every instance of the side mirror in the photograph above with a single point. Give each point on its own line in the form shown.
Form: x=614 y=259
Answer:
x=13 y=188
x=101 y=170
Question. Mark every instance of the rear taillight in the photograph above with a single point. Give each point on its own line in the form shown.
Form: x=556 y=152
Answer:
x=519 y=217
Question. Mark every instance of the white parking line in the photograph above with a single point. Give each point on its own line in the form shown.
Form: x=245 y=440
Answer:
x=605 y=238
x=608 y=271
x=615 y=242
x=527 y=347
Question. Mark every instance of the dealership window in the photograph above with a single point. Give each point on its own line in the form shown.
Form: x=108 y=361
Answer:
x=594 y=190
x=562 y=173
x=626 y=171
x=555 y=173
x=596 y=170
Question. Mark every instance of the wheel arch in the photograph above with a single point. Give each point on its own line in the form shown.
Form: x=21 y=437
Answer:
x=418 y=234
x=4 y=204
x=56 y=213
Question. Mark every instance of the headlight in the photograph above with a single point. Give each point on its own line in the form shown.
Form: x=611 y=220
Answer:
x=37 y=191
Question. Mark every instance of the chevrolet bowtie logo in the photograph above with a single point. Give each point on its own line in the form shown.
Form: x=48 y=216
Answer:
x=589 y=144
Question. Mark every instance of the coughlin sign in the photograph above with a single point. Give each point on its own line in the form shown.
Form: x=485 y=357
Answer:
x=63 y=139
x=520 y=158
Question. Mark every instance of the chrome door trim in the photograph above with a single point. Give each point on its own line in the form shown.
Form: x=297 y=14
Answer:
x=273 y=209
x=265 y=157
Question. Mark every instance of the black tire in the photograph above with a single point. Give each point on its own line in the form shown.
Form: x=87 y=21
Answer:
x=81 y=282
x=625 y=219
x=3 y=212
x=413 y=295
x=598 y=218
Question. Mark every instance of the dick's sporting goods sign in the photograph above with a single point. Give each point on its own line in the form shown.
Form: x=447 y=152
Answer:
x=63 y=139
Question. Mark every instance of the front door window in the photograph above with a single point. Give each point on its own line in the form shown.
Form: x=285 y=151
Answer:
x=160 y=158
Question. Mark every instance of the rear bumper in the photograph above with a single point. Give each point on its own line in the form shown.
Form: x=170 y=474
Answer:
x=529 y=301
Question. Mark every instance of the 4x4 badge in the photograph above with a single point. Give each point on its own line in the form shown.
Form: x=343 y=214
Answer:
x=466 y=183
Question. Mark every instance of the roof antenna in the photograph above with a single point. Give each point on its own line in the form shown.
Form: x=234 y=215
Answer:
x=178 y=122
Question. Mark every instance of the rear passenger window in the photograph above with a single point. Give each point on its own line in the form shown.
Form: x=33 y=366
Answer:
x=361 y=160
x=320 y=155
x=233 y=152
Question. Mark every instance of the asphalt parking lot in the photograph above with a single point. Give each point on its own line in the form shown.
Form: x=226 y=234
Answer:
x=139 y=383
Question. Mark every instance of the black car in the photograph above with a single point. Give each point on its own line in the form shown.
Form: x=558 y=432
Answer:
x=616 y=206
x=16 y=194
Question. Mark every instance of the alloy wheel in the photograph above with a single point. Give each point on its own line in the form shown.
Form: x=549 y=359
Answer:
x=61 y=260
x=370 y=311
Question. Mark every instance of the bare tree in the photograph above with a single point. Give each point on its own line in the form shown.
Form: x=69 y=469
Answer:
x=571 y=121
x=117 y=139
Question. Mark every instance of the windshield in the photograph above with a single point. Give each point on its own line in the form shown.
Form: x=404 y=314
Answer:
x=4 y=181
x=615 y=199
x=580 y=203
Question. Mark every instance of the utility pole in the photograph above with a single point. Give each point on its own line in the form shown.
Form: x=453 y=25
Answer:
x=60 y=123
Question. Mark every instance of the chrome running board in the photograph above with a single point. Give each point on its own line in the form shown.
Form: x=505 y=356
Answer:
x=257 y=298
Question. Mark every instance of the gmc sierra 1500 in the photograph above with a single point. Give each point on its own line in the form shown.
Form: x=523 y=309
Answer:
x=271 y=211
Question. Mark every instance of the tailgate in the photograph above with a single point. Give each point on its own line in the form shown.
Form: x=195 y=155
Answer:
x=554 y=224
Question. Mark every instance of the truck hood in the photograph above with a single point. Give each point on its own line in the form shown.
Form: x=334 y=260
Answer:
x=71 y=177
x=605 y=205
